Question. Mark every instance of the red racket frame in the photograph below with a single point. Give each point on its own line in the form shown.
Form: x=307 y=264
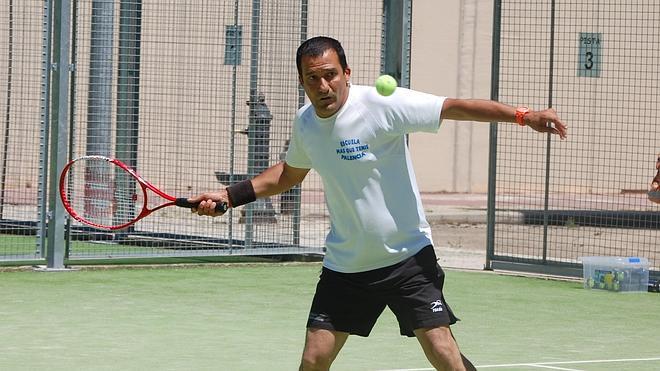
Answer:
x=144 y=185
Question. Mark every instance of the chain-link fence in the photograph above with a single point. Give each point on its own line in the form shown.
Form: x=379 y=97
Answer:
x=194 y=95
x=598 y=65
x=23 y=94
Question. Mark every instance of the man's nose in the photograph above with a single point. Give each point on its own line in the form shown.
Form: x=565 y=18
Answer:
x=324 y=86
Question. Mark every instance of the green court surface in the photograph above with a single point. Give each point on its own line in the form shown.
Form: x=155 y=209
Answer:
x=252 y=317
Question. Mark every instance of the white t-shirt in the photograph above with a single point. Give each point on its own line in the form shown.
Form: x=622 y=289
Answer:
x=376 y=213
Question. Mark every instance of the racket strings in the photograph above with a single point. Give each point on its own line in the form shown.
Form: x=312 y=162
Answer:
x=103 y=193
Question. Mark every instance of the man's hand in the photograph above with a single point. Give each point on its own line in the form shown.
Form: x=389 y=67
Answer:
x=654 y=193
x=539 y=120
x=208 y=201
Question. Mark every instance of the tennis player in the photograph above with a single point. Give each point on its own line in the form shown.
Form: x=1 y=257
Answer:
x=379 y=251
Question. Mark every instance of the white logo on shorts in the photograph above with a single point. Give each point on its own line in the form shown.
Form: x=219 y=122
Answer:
x=436 y=306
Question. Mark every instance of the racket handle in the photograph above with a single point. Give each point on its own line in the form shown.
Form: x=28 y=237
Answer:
x=220 y=207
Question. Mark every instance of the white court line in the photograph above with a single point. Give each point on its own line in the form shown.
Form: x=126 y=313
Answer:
x=553 y=367
x=542 y=364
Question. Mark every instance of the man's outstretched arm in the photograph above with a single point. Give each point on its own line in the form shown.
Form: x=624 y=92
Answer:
x=546 y=121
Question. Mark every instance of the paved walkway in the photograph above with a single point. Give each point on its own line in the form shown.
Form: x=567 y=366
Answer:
x=456 y=208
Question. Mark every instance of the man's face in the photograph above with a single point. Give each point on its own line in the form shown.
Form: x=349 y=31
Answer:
x=324 y=82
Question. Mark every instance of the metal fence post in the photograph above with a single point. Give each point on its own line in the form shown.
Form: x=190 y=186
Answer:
x=492 y=158
x=59 y=132
x=128 y=88
x=395 y=56
x=254 y=83
x=42 y=199
x=294 y=195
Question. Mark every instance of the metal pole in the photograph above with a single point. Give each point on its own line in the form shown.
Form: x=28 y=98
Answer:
x=492 y=159
x=254 y=83
x=128 y=81
x=392 y=39
x=59 y=135
x=128 y=96
x=72 y=109
x=99 y=101
x=395 y=51
x=46 y=66
x=548 y=145
x=296 y=191
x=396 y=35
x=10 y=60
x=304 y=21
x=232 y=146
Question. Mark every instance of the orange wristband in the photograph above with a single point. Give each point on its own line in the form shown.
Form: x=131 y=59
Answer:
x=520 y=115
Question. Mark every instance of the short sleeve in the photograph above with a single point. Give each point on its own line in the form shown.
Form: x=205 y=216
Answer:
x=417 y=112
x=296 y=155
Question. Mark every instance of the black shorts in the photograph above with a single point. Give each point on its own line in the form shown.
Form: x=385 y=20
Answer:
x=412 y=289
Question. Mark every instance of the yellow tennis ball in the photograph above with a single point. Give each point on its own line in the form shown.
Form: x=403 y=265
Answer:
x=385 y=85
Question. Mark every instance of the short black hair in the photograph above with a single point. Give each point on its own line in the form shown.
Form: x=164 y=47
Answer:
x=316 y=46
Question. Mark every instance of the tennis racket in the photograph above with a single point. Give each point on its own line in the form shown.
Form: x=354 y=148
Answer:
x=107 y=194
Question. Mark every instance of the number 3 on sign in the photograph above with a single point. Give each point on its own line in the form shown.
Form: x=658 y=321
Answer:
x=589 y=53
x=590 y=61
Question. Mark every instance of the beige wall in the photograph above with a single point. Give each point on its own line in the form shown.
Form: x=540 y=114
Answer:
x=451 y=56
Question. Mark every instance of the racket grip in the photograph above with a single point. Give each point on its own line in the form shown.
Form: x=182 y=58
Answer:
x=220 y=207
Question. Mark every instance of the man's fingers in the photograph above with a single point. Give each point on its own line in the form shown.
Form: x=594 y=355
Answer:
x=206 y=206
x=552 y=124
x=560 y=128
x=552 y=129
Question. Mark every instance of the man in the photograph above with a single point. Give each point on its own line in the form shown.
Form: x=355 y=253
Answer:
x=379 y=249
